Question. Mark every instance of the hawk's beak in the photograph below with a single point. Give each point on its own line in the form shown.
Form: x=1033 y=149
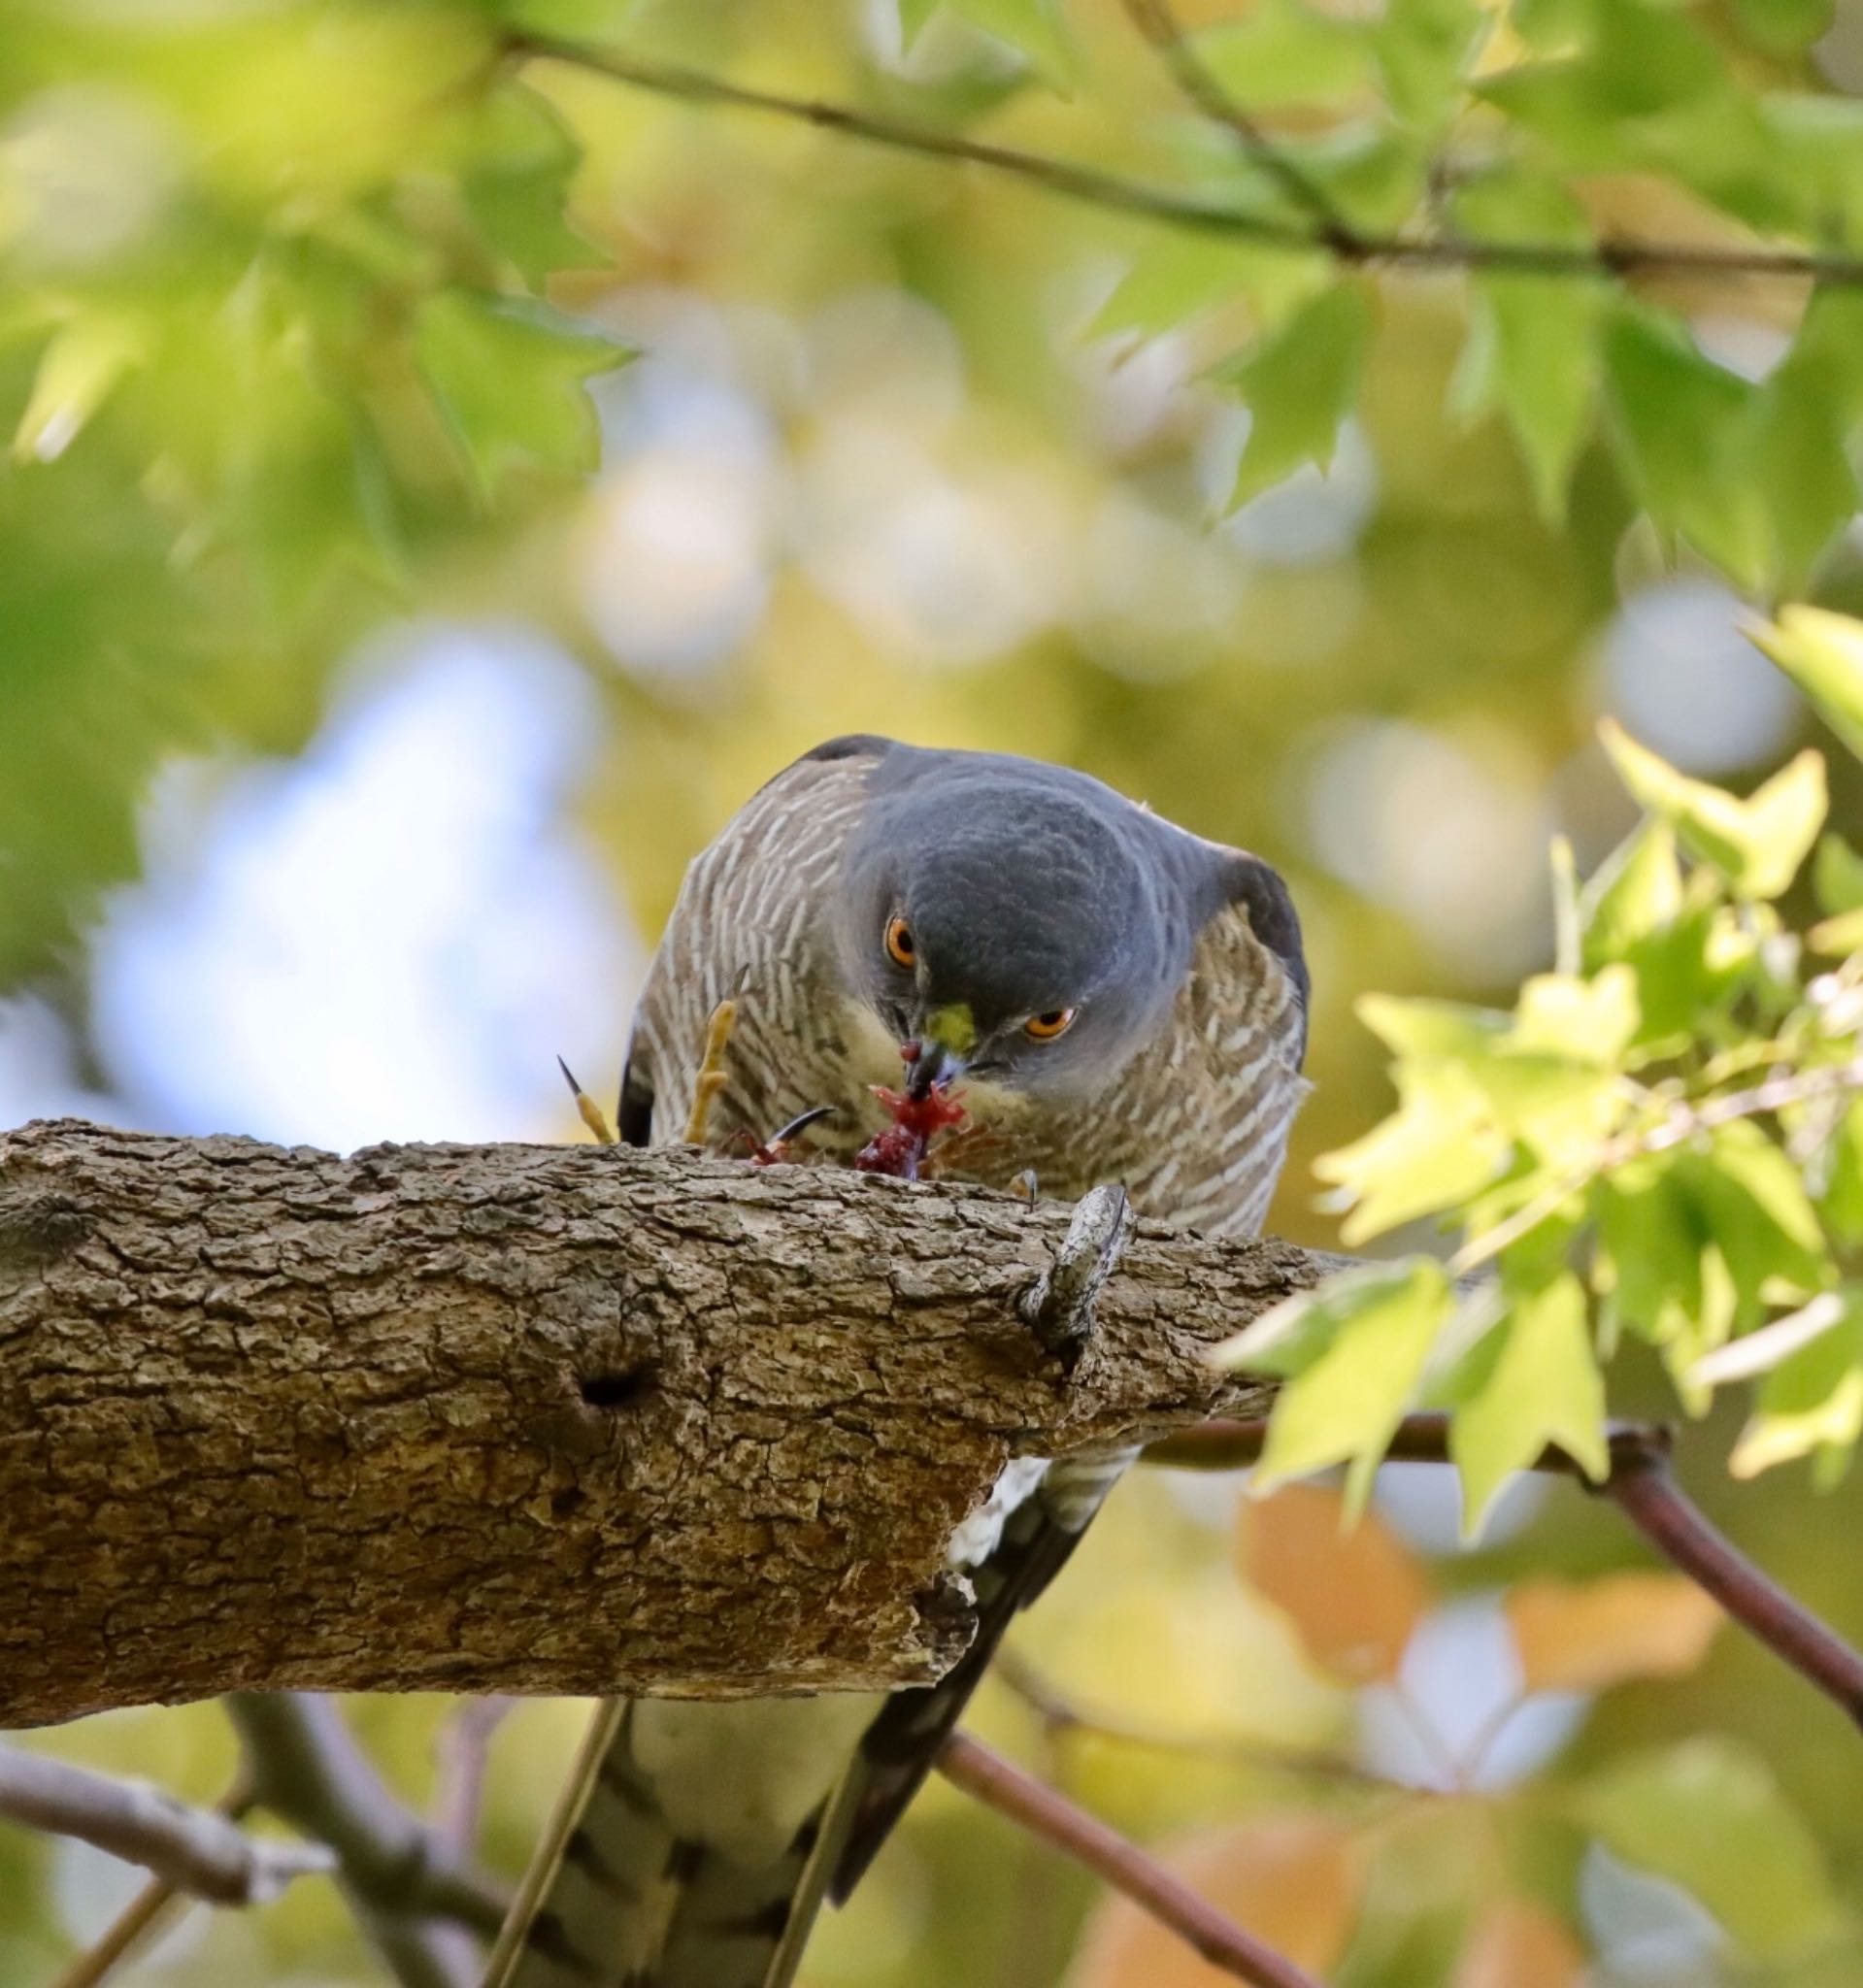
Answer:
x=942 y=1049
x=933 y=1066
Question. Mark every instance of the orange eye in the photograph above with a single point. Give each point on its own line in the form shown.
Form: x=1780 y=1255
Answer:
x=901 y=947
x=1045 y=1027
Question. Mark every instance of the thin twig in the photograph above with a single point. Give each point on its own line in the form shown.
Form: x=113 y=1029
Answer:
x=1642 y=1484
x=1061 y=1714
x=198 y=1851
x=138 y=1919
x=413 y=1893
x=1683 y=1120
x=460 y=1774
x=968 y=1764
x=1155 y=21
x=1615 y=257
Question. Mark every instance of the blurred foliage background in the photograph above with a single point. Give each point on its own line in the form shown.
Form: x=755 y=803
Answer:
x=375 y=648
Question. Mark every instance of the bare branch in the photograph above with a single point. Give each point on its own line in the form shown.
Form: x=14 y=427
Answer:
x=157 y=1899
x=196 y=1849
x=1614 y=258
x=306 y=1766
x=414 y=1895
x=1643 y=1485
x=970 y=1765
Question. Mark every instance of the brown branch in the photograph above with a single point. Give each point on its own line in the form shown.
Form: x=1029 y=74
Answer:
x=1645 y=1492
x=1155 y=21
x=992 y=1780
x=1612 y=257
x=197 y=1850
x=414 y=1896
x=156 y=1902
x=557 y=1419
x=1643 y=1485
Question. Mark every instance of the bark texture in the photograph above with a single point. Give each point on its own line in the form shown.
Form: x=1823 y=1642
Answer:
x=531 y=1419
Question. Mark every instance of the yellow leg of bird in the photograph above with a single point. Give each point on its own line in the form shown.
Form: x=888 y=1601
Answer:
x=711 y=1080
x=587 y=1110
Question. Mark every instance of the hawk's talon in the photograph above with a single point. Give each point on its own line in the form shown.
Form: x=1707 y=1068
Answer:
x=776 y=1149
x=711 y=1077
x=587 y=1110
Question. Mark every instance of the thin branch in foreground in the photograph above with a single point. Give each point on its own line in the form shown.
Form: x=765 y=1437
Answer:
x=1155 y=21
x=1061 y=1714
x=1615 y=257
x=414 y=1896
x=1642 y=1483
x=992 y=1780
x=196 y=1849
x=156 y=1902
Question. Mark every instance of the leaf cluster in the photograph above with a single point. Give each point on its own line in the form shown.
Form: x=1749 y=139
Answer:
x=1661 y=1140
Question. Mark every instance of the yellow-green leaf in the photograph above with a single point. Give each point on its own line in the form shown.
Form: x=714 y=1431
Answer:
x=1823 y=653
x=508 y=377
x=1440 y=1146
x=1811 y=1404
x=1591 y=1021
x=1709 y=1816
x=1636 y=891
x=77 y=373
x=1757 y=843
x=1035 y=28
x=1543 y=1387
x=1532 y=354
x=1345 y=1402
x=1680 y=423
x=1300 y=383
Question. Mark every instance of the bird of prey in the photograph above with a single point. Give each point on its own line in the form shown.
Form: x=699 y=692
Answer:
x=1122 y=1002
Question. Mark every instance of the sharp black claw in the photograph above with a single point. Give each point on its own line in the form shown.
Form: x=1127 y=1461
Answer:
x=800 y=1123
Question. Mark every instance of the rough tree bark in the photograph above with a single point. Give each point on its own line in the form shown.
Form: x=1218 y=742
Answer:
x=530 y=1418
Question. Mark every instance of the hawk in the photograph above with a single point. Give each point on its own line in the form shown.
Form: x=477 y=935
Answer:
x=1122 y=1001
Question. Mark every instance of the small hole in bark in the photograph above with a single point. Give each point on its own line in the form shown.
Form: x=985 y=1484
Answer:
x=617 y=1390
x=570 y=1497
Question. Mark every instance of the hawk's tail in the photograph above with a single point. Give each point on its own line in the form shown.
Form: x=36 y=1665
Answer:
x=623 y=1894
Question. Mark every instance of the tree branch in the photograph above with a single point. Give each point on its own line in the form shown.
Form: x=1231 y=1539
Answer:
x=414 y=1895
x=560 y=1419
x=1643 y=1485
x=193 y=1849
x=1617 y=256
x=992 y=1780
x=156 y=1902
